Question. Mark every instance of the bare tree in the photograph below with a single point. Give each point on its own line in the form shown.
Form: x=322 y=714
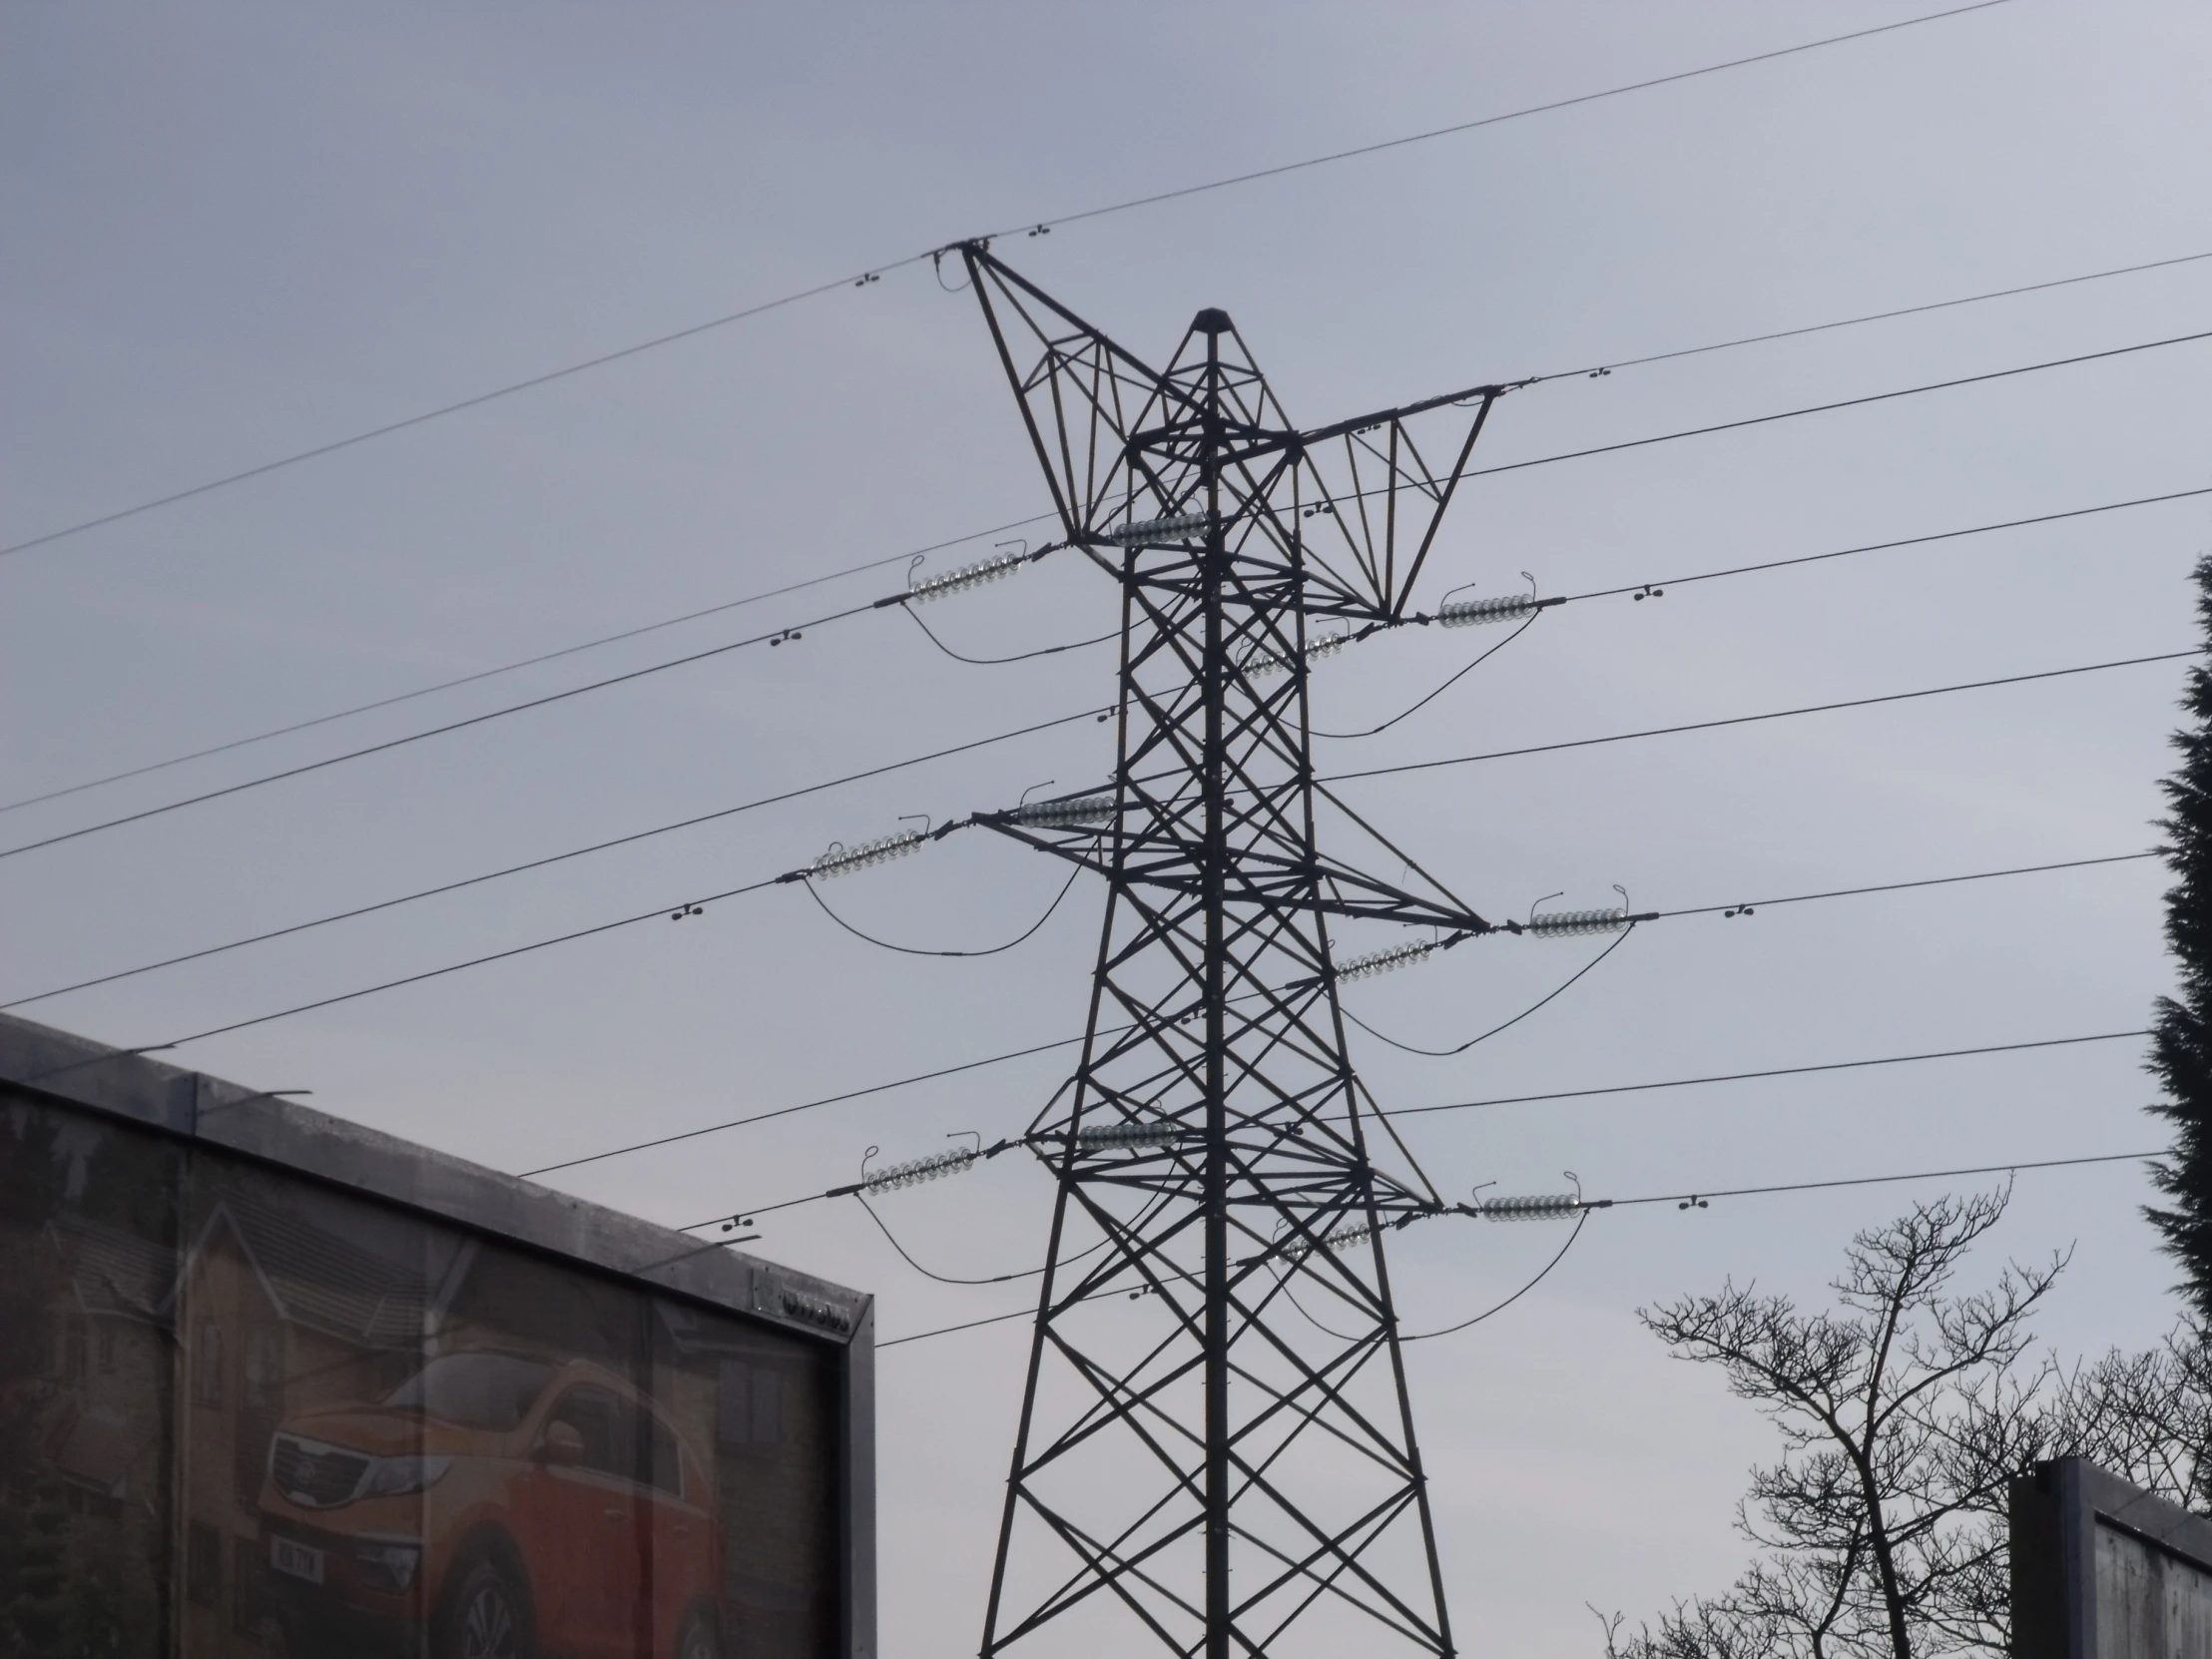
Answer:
x=2145 y=1416
x=1904 y=1412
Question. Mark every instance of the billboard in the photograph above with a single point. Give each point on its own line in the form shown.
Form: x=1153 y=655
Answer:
x=2104 y=1570
x=247 y=1412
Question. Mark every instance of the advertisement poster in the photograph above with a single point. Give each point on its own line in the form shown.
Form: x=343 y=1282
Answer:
x=241 y=1414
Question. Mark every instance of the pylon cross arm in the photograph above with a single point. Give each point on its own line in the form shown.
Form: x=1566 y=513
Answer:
x=1370 y=899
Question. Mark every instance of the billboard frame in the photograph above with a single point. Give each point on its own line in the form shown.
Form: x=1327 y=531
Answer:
x=44 y=1066
x=2057 y=1510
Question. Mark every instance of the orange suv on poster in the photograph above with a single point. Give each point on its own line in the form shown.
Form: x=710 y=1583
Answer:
x=501 y=1504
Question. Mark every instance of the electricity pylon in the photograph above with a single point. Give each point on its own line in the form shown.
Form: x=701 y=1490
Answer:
x=1216 y=1445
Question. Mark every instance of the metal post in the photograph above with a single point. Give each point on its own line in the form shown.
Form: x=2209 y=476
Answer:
x=1212 y=775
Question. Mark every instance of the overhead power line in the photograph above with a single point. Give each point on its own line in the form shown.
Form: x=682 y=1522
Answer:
x=521 y=663
x=1753 y=1076
x=1887 y=546
x=802 y=1106
x=897 y=558
x=401 y=741
x=754 y=640
x=1747 y=907
x=1886 y=317
x=1071 y=1042
x=654 y=914
x=1520 y=114
x=1627 y=924
x=1580 y=1208
x=1801 y=410
x=1774 y=713
x=442 y=410
x=867 y=275
x=556 y=858
x=1840 y=404
x=625 y=921
x=689 y=823
x=1880 y=1180
x=1374 y=772
x=1679 y=1199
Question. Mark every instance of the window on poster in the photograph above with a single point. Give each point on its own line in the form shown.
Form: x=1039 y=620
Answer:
x=207 y=1364
x=204 y=1564
x=246 y=1568
x=265 y=1367
x=749 y=1413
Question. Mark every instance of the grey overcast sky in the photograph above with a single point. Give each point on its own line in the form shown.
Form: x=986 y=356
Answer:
x=238 y=229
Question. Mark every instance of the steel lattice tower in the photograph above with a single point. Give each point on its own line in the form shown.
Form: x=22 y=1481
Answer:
x=1197 y=1456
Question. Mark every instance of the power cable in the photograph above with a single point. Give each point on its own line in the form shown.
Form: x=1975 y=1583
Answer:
x=866 y=277
x=1414 y=1111
x=679 y=911
x=1558 y=991
x=1597 y=593
x=1660 y=583
x=428 y=892
x=510 y=668
x=689 y=906
x=716 y=651
x=802 y=1106
x=1070 y=1042
x=1901 y=886
x=634 y=674
x=1885 y=546
x=431 y=732
x=1750 y=720
x=998 y=661
x=1415 y=707
x=445 y=410
x=968 y=1325
x=942 y=1278
x=1770 y=1072
x=605 y=928
x=773 y=638
x=1022 y=937
x=1490 y=120
x=1596 y=370
x=1580 y=1220
x=947 y=1278
x=1745 y=909
x=608 y=927
x=1838 y=403
x=1825 y=408
x=1679 y=1199
x=854 y=1094
x=1685 y=1200
x=559 y=857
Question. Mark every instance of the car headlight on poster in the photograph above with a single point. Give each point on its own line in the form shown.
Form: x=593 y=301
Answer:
x=391 y=1476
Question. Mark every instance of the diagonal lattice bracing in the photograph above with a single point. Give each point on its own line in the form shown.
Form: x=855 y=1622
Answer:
x=1216 y=1453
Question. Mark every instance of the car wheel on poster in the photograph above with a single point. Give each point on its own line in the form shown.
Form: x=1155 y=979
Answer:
x=486 y=1615
x=699 y=1640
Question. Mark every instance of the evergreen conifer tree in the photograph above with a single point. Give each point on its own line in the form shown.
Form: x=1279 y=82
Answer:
x=2181 y=1025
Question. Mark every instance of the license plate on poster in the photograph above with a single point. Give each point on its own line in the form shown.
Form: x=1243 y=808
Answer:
x=297 y=1559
